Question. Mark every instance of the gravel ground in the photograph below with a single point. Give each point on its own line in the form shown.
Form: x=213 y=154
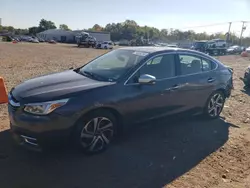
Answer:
x=170 y=152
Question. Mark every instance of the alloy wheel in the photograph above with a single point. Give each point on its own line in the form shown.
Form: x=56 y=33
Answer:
x=215 y=105
x=97 y=133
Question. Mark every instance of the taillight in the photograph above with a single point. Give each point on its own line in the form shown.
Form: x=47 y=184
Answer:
x=230 y=69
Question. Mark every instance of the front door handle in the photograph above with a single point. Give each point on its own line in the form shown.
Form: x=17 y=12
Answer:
x=174 y=87
x=210 y=80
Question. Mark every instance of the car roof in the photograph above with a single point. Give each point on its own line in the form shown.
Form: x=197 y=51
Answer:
x=155 y=49
x=150 y=49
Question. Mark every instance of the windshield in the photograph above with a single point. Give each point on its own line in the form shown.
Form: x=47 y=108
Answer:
x=113 y=65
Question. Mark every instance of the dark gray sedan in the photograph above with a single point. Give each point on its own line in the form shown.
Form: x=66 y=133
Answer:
x=93 y=103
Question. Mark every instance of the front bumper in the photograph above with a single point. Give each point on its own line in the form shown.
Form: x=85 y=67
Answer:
x=37 y=132
x=39 y=141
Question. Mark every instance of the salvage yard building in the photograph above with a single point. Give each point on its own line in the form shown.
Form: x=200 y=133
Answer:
x=64 y=36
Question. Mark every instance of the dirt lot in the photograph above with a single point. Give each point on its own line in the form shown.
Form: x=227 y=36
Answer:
x=174 y=153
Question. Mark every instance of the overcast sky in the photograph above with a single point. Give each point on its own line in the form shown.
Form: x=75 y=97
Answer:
x=178 y=14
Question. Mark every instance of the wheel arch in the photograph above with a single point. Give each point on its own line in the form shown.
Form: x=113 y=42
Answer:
x=111 y=110
x=225 y=90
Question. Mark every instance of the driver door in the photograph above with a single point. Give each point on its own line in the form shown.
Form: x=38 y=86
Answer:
x=147 y=101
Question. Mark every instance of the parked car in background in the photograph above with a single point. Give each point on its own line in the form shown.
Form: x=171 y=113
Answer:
x=52 y=41
x=105 y=45
x=235 y=50
x=248 y=49
x=172 y=45
x=16 y=39
x=92 y=104
x=41 y=40
x=33 y=40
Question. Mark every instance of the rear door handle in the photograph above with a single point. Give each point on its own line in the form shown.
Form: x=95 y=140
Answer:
x=210 y=80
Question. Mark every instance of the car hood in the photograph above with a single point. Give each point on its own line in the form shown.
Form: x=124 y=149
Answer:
x=54 y=86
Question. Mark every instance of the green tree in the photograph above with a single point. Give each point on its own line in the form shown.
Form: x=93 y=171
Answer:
x=45 y=25
x=33 y=30
x=96 y=27
x=21 y=31
x=64 y=27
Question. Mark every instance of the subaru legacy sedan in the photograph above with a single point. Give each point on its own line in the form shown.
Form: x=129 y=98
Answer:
x=92 y=104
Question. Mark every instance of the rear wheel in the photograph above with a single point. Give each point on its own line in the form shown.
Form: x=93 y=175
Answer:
x=214 y=105
x=95 y=132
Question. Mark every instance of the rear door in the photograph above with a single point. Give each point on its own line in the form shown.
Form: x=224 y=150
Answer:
x=196 y=80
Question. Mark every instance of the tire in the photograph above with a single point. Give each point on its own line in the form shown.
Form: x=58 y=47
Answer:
x=95 y=131
x=214 y=105
x=105 y=47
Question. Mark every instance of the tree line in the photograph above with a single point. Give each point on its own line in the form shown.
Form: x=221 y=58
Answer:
x=130 y=30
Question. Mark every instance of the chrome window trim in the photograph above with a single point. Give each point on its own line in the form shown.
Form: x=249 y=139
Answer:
x=177 y=76
x=165 y=53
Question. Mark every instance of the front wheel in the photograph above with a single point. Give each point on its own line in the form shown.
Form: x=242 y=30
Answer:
x=214 y=105
x=95 y=132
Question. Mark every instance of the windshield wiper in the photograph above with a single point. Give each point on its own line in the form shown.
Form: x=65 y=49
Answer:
x=94 y=76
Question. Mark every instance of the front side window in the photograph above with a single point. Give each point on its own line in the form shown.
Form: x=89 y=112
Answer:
x=160 y=67
x=113 y=65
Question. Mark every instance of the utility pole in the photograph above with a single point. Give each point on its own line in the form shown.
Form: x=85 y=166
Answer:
x=242 y=30
x=229 y=30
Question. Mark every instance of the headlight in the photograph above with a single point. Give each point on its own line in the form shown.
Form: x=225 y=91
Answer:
x=44 y=107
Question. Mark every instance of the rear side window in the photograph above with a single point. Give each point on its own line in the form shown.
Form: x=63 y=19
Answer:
x=190 y=64
x=207 y=65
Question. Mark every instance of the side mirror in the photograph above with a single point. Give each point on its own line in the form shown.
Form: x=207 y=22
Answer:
x=146 y=79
